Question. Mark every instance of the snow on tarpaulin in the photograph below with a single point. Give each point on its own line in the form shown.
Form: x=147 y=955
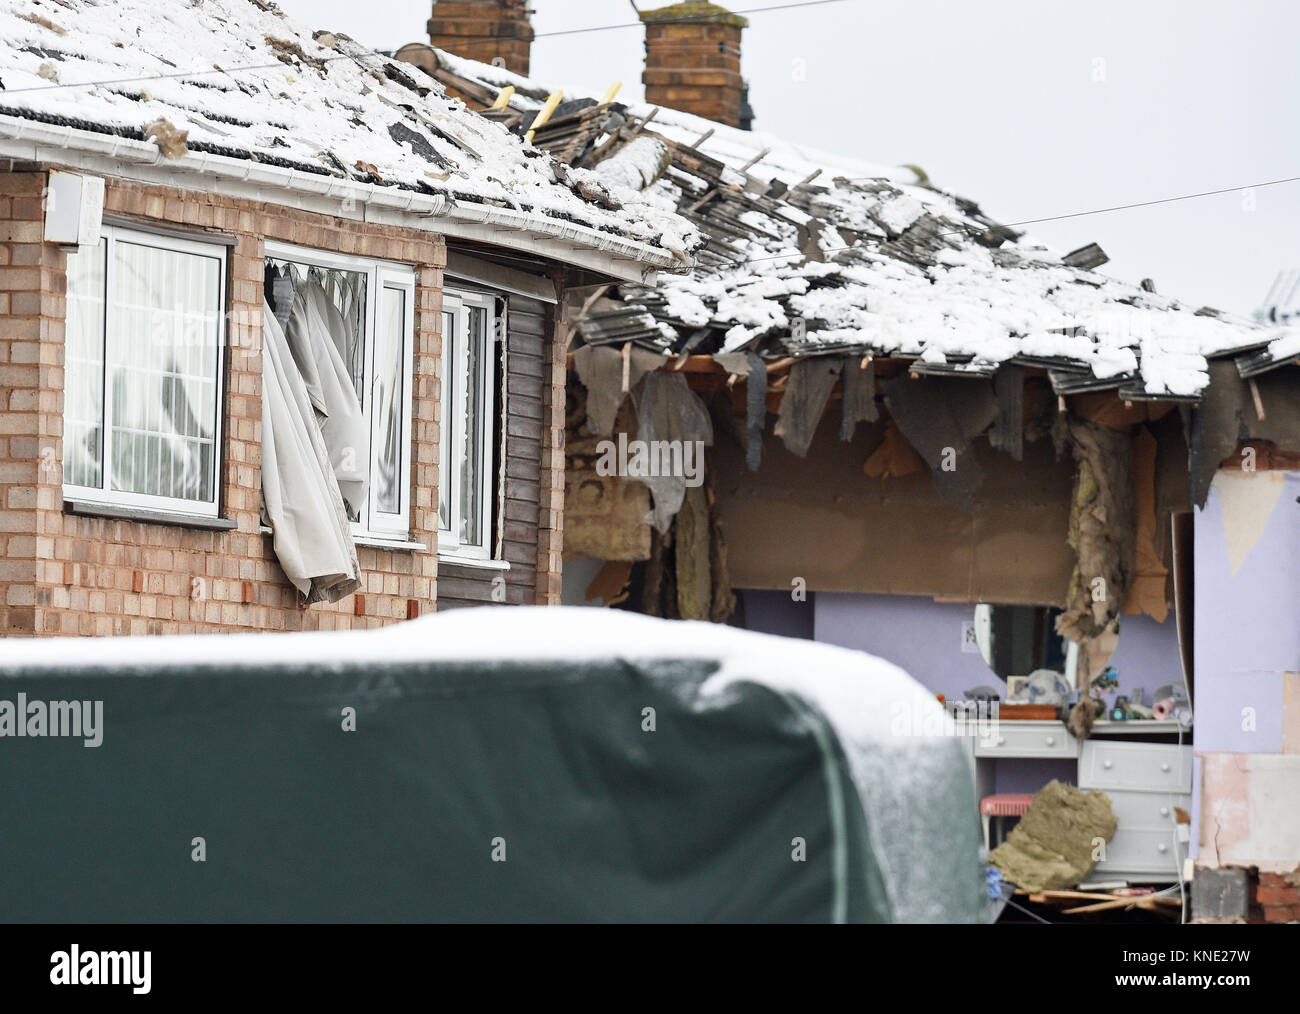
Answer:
x=885 y=785
x=238 y=78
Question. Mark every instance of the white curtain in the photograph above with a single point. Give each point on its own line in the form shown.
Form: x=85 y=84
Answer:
x=300 y=492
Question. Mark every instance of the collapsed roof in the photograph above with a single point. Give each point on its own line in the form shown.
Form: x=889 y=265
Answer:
x=214 y=85
x=807 y=253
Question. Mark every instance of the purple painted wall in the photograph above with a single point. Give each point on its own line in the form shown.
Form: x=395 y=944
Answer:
x=920 y=635
x=775 y=612
x=1147 y=655
x=1247 y=625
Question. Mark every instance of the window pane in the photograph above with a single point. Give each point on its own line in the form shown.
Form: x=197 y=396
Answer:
x=389 y=400
x=165 y=319
x=447 y=413
x=83 y=362
x=471 y=474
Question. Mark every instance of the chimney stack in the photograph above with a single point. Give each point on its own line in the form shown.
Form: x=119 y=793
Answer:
x=490 y=31
x=692 y=61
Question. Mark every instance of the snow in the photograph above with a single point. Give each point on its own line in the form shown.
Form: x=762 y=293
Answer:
x=897 y=766
x=962 y=301
x=333 y=104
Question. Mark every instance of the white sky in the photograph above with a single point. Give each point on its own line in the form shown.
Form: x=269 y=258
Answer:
x=997 y=100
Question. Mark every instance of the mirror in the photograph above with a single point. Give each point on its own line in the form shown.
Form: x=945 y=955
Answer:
x=1017 y=640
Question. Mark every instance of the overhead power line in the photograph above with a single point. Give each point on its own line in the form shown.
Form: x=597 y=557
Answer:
x=1061 y=218
x=329 y=59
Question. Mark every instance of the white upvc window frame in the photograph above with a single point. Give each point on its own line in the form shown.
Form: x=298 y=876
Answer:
x=380 y=275
x=107 y=496
x=452 y=438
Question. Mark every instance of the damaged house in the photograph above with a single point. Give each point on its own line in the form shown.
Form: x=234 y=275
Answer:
x=281 y=327
x=933 y=438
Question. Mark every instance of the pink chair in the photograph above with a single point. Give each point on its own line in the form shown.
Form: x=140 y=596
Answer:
x=1009 y=804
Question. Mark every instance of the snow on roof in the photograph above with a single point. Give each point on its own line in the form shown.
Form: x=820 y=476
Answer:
x=247 y=82
x=876 y=259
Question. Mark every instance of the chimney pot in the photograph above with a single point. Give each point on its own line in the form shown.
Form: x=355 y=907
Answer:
x=693 y=61
x=490 y=31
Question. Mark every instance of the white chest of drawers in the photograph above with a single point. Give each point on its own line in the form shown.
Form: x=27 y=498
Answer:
x=1146 y=782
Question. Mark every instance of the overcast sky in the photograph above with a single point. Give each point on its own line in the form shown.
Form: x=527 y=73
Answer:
x=1032 y=108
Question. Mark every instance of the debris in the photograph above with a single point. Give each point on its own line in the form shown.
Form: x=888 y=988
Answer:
x=1086 y=257
x=171 y=141
x=810 y=385
x=940 y=416
x=858 y=384
x=672 y=423
x=48 y=71
x=694 y=576
x=610 y=585
x=600 y=368
x=44 y=22
x=1054 y=845
x=1008 y=432
x=895 y=457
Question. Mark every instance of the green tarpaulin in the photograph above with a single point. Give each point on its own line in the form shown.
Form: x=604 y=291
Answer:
x=484 y=765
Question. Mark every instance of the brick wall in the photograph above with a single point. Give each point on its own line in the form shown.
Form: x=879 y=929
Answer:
x=490 y=31
x=692 y=60
x=72 y=574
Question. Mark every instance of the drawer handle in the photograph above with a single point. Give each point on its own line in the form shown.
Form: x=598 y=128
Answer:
x=1107 y=765
x=1164 y=811
x=1002 y=741
x=1164 y=767
x=1163 y=847
x=1051 y=741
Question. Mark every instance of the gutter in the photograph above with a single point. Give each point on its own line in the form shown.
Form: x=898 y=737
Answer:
x=126 y=158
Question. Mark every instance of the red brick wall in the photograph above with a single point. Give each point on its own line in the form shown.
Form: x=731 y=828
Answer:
x=695 y=67
x=490 y=31
x=1275 y=897
x=66 y=574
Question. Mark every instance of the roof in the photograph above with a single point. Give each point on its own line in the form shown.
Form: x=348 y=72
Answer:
x=218 y=84
x=810 y=252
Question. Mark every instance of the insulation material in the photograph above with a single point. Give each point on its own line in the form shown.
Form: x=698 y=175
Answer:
x=895 y=457
x=806 y=392
x=604 y=515
x=723 y=602
x=940 y=416
x=858 y=387
x=671 y=420
x=691 y=546
x=608 y=377
x=1101 y=526
x=1148 y=591
x=1052 y=847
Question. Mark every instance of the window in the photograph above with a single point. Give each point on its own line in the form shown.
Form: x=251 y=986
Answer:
x=364 y=311
x=468 y=414
x=142 y=373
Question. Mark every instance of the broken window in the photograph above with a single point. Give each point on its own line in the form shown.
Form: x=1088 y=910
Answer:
x=469 y=356
x=142 y=381
x=350 y=324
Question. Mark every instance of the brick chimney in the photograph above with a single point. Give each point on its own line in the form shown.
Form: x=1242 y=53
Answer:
x=490 y=31
x=692 y=61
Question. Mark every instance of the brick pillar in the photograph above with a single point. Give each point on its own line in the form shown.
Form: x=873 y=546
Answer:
x=692 y=60
x=490 y=31
x=32 y=288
